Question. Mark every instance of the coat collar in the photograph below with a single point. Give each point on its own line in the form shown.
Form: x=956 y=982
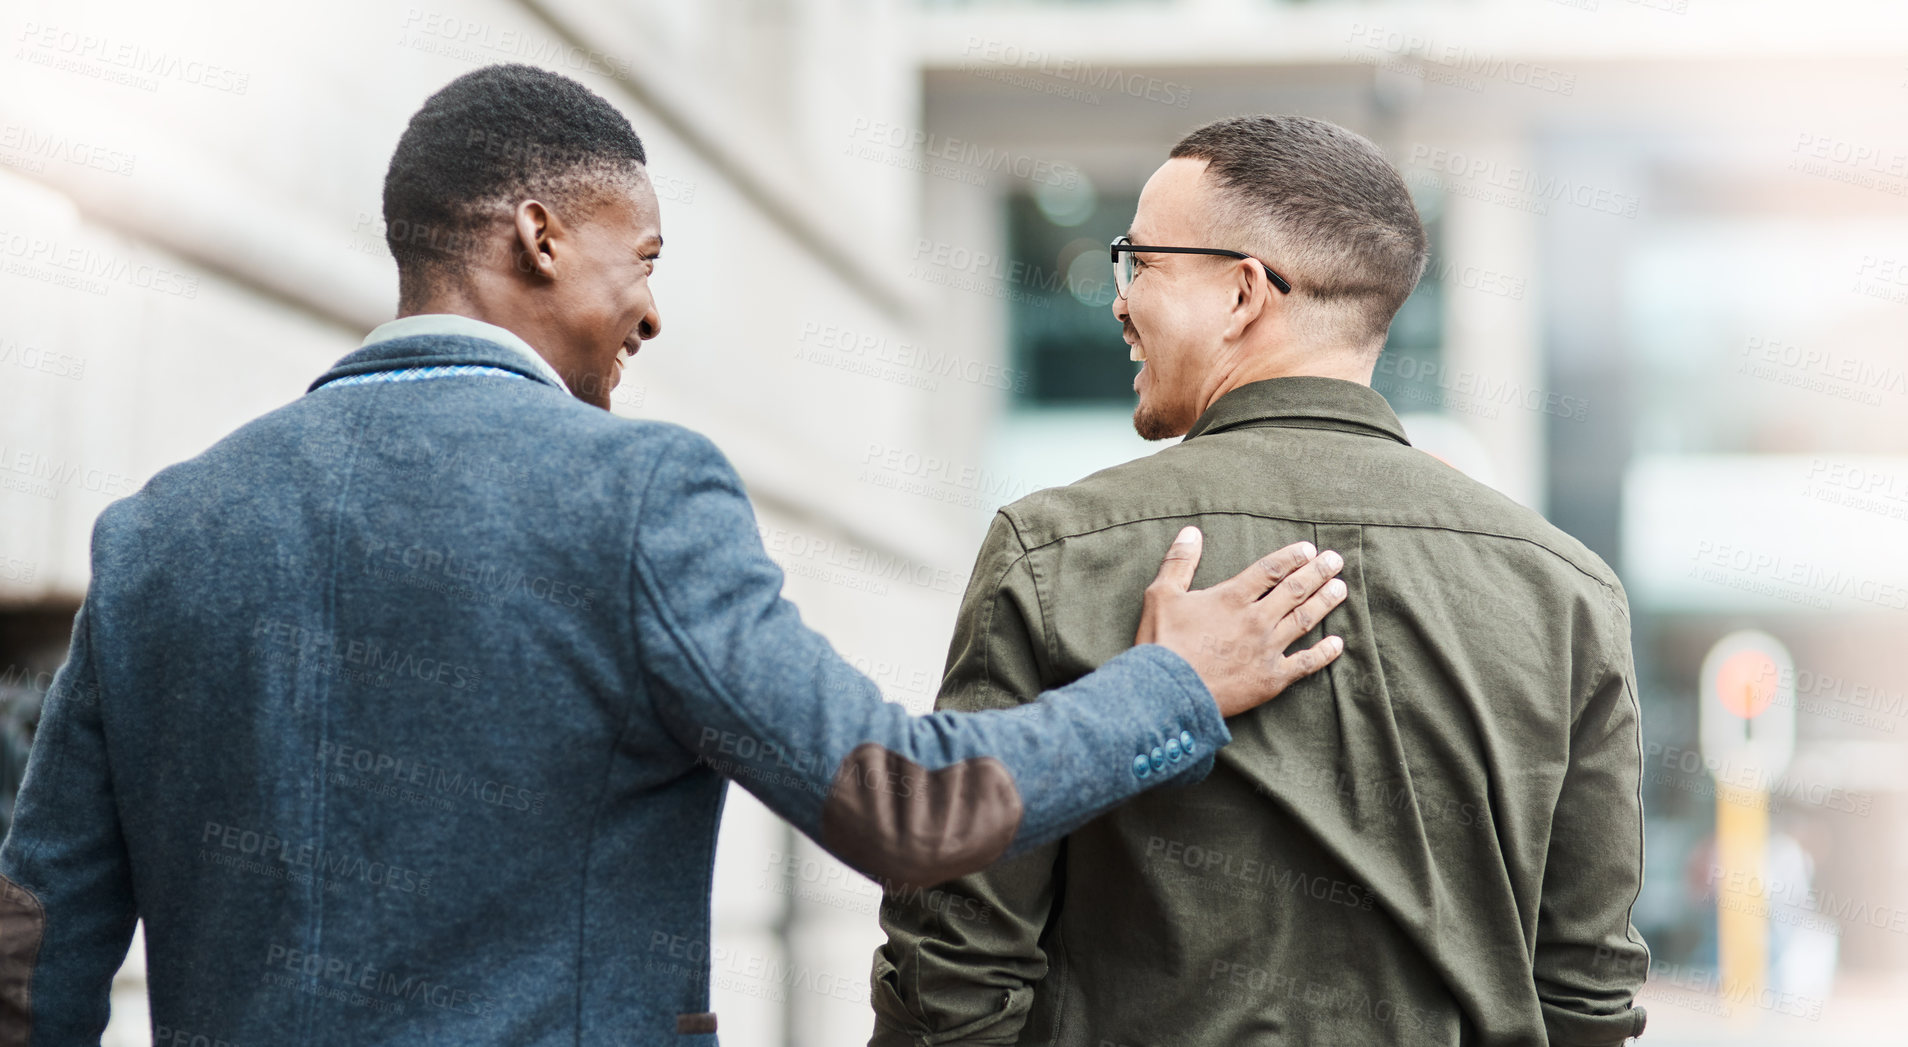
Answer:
x=1303 y=402
x=434 y=350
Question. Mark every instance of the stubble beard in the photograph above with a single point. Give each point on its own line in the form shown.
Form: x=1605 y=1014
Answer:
x=1152 y=424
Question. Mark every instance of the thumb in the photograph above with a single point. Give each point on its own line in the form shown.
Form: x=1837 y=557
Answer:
x=1182 y=559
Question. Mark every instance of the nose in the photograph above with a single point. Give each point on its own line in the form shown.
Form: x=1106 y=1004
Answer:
x=1119 y=307
x=651 y=323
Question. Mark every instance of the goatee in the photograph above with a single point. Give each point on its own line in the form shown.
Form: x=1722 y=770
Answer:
x=1151 y=426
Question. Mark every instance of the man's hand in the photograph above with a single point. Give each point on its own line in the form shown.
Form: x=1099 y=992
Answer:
x=1235 y=633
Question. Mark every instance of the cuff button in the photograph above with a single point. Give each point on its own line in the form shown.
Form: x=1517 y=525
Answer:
x=1173 y=750
x=1186 y=742
x=1141 y=769
x=1158 y=759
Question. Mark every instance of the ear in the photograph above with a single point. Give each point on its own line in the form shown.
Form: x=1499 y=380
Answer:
x=539 y=236
x=1252 y=297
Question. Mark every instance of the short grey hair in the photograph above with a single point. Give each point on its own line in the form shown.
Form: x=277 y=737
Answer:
x=1323 y=207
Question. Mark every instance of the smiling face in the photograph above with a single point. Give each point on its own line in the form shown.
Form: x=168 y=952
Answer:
x=1176 y=310
x=599 y=309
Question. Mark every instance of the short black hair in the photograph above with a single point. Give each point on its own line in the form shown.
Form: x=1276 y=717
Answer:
x=488 y=140
x=1336 y=216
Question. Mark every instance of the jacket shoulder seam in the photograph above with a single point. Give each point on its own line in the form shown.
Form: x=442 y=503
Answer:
x=666 y=615
x=995 y=595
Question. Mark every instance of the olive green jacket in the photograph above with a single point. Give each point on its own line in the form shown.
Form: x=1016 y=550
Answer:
x=1437 y=840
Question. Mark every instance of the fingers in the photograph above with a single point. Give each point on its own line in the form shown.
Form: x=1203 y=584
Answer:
x=1252 y=583
x=1298 y=666
x=1182 y=559
x=1299 y=585
x=1267 y=679
x=1312 y=611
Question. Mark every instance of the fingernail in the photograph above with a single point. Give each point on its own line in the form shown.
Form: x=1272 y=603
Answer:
x=1308 y=550
x=1188 y=533
x=1333 y=560
x=1338 y=643
x=1336 y=588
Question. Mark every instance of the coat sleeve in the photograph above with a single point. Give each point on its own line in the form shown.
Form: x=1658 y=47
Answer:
x=1589 y=960
x=66 y=898
x=963 y=966
x=742 y=683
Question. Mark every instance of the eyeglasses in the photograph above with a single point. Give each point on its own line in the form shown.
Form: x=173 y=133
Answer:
x=1123 y=250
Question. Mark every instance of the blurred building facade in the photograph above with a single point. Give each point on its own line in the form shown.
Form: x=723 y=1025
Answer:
x=1664 y=307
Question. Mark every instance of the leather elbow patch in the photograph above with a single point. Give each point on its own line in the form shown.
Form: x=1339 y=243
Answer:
x=894 y=820
x=22 y=926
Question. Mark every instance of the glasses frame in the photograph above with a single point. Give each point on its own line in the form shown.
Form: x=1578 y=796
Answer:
x=1121 y=243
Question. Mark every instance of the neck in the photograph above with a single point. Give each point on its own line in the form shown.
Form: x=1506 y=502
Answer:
x=1350 y=365
x=457 y=302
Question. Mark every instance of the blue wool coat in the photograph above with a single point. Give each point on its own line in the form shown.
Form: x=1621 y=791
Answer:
x=404 y=714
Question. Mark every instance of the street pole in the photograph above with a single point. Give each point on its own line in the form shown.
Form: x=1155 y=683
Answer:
x=1748 y=733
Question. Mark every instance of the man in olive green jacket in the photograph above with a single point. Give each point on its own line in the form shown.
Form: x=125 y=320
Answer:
x=1439 y=840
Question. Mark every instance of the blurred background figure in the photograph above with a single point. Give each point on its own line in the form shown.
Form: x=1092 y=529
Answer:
x=1666 y=307
x=1803 y=942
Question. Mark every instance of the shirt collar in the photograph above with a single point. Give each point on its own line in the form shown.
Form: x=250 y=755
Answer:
x=1303 y=402
x=466 y=327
